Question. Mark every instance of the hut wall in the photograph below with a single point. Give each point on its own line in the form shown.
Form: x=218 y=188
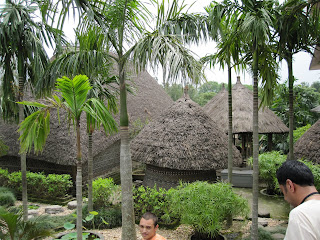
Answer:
x=12 y=163
x=167 y=178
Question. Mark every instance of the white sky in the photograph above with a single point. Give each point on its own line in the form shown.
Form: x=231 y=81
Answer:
x=300 y=65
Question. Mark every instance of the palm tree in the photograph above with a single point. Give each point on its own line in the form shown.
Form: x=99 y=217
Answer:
x=74 y=99
x=255 y=20
x=88 y=57
x=297 y=30
x=229 y=51
x=22 y=56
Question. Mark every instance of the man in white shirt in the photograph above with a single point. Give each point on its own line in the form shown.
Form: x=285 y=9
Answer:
x=297 y=184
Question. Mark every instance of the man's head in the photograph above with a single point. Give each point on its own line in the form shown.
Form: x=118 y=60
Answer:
x=148 y=225
x=293 y=174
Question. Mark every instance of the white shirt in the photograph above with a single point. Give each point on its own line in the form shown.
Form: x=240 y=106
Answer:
x=304 y=222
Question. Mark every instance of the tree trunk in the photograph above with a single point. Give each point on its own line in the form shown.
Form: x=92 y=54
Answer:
x=230 y=137
x=255 y=186
x=291 y=80
x=128 y=223
x=90 y=172
x=79 y=183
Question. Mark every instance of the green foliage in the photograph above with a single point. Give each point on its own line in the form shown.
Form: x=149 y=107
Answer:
x=315 y=169
x=316 y=85
x=154 y=200
x=50 y=186
x=7 y=197
x=207 y=206
x=104 y=191
x=13 y=227
x=3 y=148
x=105 y=218
x=262 y=235
x=305 y=98
x=299 y=132
x=175 y=91
x=269 y=162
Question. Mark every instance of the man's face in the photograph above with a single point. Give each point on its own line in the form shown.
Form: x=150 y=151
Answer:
x=147 y=229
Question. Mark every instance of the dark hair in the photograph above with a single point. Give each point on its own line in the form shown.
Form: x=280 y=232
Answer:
x=149 y=215
x=296 y=171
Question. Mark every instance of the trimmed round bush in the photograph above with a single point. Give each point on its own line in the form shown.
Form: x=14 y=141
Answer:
x=7 y=198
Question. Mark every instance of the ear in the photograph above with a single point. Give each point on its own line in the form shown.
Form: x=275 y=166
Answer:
x=156 y=228
x=290 y=185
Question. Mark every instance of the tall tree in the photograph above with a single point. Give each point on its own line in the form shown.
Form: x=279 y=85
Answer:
x=22 y=60
x=74 y=100
x=89 y=57
x=297 y=30
x=254 y=30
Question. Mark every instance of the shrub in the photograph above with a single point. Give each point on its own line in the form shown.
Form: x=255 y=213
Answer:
x=103 y=192
x=36 y=183
x=299 y=132
x=4 y=177
x=315 y=169
x=207 y=206
x=58 y=185
x=14 y=181
x=7 y=198
x=153 y=200
x=269 y=162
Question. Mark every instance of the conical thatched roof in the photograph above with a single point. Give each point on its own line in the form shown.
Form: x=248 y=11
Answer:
x=308 y=145
x=183 y=137
x=242 y=108
x=316 y=109
x=147 y=102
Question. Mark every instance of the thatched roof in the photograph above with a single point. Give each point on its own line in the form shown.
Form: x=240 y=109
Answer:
x=308 y=145
x=316 y=109
x=147 y=102
x=242 y=108
x=183 y=137
x=315 y=61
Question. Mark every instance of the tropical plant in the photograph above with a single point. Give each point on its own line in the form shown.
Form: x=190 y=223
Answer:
x=74 y=99
x=299 y=132
x=102 y=190
x=315 y=169
x=297 y=27
x=269 y=162
x=207 y=206
x=23 y=59
x=13 y=227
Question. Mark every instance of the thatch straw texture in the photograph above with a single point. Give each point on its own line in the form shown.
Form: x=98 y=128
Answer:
x=316 y=109
x=308 y=145
x=242 y=108
x=148 y=101
x=315 y=61
x=183 y=137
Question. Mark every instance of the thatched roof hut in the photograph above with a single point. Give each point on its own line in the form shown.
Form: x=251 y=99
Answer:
x=242 y=108
x=182 y=143
x=59 y=153
x=308 y=145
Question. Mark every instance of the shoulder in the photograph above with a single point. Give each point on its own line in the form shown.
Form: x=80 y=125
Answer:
x=158 y=237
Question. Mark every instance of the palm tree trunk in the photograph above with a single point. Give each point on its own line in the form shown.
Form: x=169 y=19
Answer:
x=128 y=223
x=230 y=136
x=23 y=156
x=90 y=172
x=291 y=80
x=255 y=186
x=79 y=184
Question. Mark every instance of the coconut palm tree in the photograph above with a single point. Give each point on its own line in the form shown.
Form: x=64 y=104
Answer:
x=74 y=99
x=297 y=30
x=255 y=20
x=22 y=61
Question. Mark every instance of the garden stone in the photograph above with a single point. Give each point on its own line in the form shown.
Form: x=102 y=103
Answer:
x=263 y=222
x=54 y=209
x=264 y=213
x=72 y=205
x=33 y=212
x=277 y=236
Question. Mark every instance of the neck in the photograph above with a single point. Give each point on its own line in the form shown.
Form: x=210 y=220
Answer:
x=309 y=194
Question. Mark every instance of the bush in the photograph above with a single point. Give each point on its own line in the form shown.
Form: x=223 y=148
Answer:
x=299 y=132
x=315 y=169
x=269 y=162
x=153 y=200
x=207 y=206
x=50 y=186
x=7 y=198
x=104 y=191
